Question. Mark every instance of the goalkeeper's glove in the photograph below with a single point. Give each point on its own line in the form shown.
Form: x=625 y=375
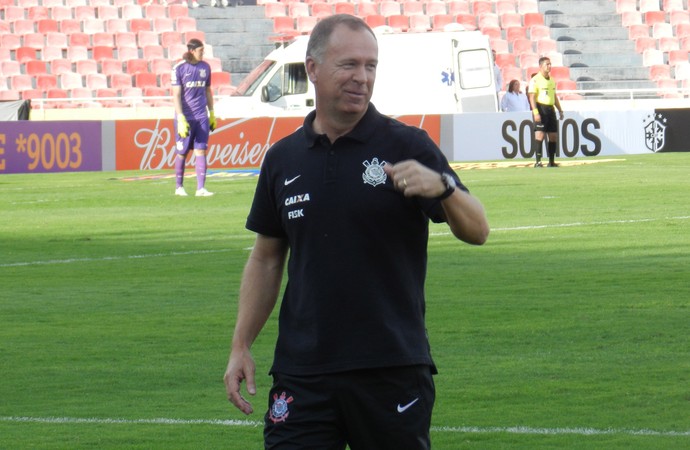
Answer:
x=212 y=120
x=182 y=126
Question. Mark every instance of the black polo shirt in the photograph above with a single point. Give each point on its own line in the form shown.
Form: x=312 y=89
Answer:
x=357 y=263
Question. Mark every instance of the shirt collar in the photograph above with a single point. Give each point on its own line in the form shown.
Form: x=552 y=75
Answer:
x=364 y=129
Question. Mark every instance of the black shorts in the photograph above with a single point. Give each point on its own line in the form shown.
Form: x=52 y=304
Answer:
x=549 y=120
x=381 y=409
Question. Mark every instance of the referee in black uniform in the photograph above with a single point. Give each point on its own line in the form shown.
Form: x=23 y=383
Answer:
x=348 y=197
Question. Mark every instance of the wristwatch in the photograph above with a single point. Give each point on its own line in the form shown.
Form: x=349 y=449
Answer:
x=450 y=184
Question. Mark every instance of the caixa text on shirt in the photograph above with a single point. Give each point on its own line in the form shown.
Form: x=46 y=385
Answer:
x=293 y=200
x=573 y=138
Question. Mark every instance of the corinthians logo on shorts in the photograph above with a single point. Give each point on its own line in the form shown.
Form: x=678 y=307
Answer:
x=279 y=410
x=373 y=172
x=655 y=132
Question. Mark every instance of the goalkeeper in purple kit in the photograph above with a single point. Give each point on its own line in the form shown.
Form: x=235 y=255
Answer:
x=192 y=97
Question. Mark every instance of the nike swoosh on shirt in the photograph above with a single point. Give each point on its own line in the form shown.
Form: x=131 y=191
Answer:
x=403 y=408
x=291 y=180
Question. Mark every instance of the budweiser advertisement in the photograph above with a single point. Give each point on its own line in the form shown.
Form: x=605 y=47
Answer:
x=236 y=143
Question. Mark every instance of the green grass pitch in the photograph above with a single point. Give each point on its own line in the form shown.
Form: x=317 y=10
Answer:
x=568 y=329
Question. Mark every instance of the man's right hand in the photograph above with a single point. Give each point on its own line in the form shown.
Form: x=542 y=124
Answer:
x=182 y=126
x=240 y=367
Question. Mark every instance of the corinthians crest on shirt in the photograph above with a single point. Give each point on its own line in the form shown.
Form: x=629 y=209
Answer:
x=280 y=409
x=373 y=172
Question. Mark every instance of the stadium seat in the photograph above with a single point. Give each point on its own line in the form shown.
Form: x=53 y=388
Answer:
x=499 y=45
x=275 y=9
x=440 y=21
x=10 y=95
x=76 y=53
x=631 y=18
x=468 y=21
x=375 y=20
x=83 y=12
x=419 y=24
x=649 y=5
x=21 y=82
x=505 y=60
x=560 y=73
x=33 y=40
x=544 y=46
x=37 y=13
x=456 y=7
x=34 y=68
x=183 y=24
x=297 y=9
x=659 y=72
x=131 y=12
x=46 y=81
x=79 y=39
x=150 y=52
x=46 y=26
x=514 y=33
x=14 y=13
x=60 y=66
x=673 y=5
x=215 y=63
x=56 y=39
x=527 y=59
x=398 y=22
x=153 y=11
x=91 y=26
x=160 y=65
x=566 y=85
x=176 y=51
x=86 y=66
x=137 y=25
x=520 y=46
x=488 y=20
x=144 y=80
x=221 y=78
x=135 y=66
x=626 y=6
x=638 y=31
x=145 y=38
x=678 y=17
x=304 y=25
x=70 y=26
x=101 y=52
x=120 y=80
x=677 y=56
x=125 y=39
x=70 y=80
x=127 y=53
x=115 y=26
x=195 y=34
x=412 y=7
x=32 y=94
x=531 y=19
x=365 y=9
x=652 y=17
x=480 y=7
x=492 y=32
x=96 y=81
x=435 y=7
x=504 y=7
x=529 y=6
x=667 y=44
x=110 y=66
x=107 y=12
x=644 y=43
x=164 y=79
x=344 y=8
x=321 y=9
x=10 y=68
x=109 y=98
x=681 y=71
x=103 y=40
x=537 y=32
x=389 y=8
x=662 y=30
x=508 y=20
x=178 y=10
x=10 y=41
x=169 y=38
x=24 y=54
x=162 y=24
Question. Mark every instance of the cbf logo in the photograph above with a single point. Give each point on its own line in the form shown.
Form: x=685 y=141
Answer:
x=655 y=132
x=373 y=172
x=279 y=410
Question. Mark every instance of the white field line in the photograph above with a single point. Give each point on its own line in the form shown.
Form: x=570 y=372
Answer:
x=251 y=423
x=199 y=252
x=573 y=224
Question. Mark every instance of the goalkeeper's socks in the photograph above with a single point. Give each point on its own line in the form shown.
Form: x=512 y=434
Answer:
x=200 y=171
x=179 y=170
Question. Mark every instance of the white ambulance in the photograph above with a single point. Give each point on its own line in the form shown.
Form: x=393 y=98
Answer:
x=418 y=73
